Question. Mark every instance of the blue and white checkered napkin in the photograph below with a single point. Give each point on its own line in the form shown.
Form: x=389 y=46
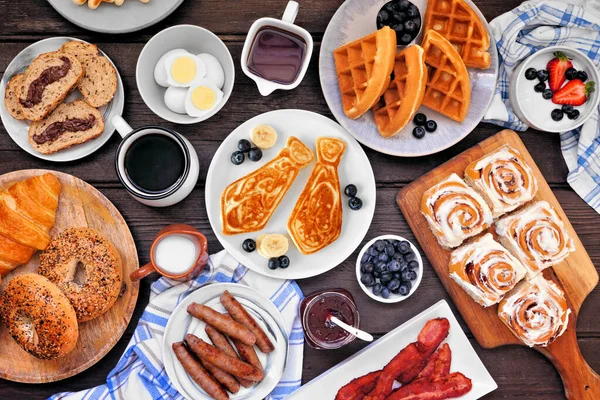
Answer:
x=534 y=25
x=140 y=373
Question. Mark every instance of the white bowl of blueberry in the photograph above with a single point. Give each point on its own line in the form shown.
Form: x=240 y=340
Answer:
x=389 y=269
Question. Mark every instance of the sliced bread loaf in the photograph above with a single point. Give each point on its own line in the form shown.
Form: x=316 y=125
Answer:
x=70 y=124
x=48 y=80
x=11 y=96
x=80 y=49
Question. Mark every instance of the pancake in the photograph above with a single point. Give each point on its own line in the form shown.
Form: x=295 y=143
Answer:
x=248 y=203
x=316 y=220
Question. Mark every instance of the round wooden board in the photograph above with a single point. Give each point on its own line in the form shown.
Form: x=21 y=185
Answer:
x=80 y=205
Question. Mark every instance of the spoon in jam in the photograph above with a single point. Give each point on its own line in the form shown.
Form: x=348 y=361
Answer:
x=362 y=335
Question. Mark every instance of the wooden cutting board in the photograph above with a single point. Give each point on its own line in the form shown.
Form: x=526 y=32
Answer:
x=576 y=275
x=80 y=205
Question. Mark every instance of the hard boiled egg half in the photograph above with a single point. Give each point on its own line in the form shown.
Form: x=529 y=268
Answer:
x=180 y=68
x=202 y=98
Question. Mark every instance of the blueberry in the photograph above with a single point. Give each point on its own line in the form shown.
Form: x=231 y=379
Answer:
x=406 y=39
x=350 y=190
x=399 y=16
x=409 y=256
x=403 y=265
x=410 y=26
x=543 y=75
x=365 y=258
x=384 y=257
x=393 y=284
x=405 y=275
x=573 y=114
x=413 y=275
x=403 y=290
x=414 y=264
x=376 y=274
x=582 y=75
x=367 y=279
x=571 y=73
x=567 y=108
x=389 y=250
x=403 y=5
x=389 y=7
x=420 y=119
x=368 y=268
x=385 y=278
x=244 y=145
x=399 y=28
x=377 y=289
x=404 y=247
x=237 y=157
x=255 y=154
x=413 y=11
x=417 y=22
x=430 y=126
x=540 y=87
x=379 y=245
x=397 y=276
x=355 y=203
x=385 y=292
x=273 y=263
x=531 y=74
x=284 y=262
x=382 y=16
x=381 y=266
x=373 y=251
x=557 y=114
x=249 y=245
x=547 y=94
x=419 y=132
x=394 y=266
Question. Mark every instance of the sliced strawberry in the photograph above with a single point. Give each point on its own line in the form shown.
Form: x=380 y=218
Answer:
x=574 y=93
x=557 y=67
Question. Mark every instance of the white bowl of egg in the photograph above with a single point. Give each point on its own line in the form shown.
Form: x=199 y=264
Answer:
x=185 y=74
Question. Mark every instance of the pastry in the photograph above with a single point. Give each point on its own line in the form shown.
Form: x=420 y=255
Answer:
x=537 y=236
x=316 y=220
x=363 y=68
x=48 y=80
x=455 y=212
x=448 y=88
x=100 y=285
x=11 y=96
x=404 y=95
x=70 y=124
x=485 y=270
x=27 y=212
x=39 y=316
x=458 y=22
x=248 y=203
x=503 y=179
x=536 y=311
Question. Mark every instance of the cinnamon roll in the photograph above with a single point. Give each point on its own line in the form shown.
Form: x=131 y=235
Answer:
x=536 y=311
x=503 y=179
x=537 y=236
x=485 y=270
x=455 y=212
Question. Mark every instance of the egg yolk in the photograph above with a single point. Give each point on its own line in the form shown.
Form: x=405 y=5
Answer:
x=183 y=70
x=203 y=98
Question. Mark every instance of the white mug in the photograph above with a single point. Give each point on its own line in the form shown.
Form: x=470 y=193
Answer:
x=175 y=193
x=286 y=23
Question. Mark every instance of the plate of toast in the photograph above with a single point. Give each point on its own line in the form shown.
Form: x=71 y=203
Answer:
x=59 y=97
x=290 y=194
x=408 y=78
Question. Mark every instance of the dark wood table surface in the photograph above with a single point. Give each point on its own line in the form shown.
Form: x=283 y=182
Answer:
x=521 y=373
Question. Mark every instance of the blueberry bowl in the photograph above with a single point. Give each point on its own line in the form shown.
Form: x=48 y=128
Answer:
x=389 y=269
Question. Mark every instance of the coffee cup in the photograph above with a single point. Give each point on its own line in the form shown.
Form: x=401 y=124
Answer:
x=178 y=252
x=157 y=166
x=273 y=71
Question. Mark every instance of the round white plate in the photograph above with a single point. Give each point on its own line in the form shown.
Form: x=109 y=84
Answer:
x=354 y=168
x=355 y=19
x=18 y=129
x=132 y=16
x=266 y=314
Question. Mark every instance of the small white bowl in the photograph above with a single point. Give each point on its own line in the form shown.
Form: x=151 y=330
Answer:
x=394 y=298
x=533 y=109
x=193 y=39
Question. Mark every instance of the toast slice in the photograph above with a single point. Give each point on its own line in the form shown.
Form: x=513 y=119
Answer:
x=11 y=96
x=99 y=83
x=70 y=124
x=61 y=73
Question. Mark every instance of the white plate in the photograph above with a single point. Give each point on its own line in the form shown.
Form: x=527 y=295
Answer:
x=378 y=354
x=266 y=314
x=18 y=129
x=355 y=19
x=354 y=168
x=132 y=16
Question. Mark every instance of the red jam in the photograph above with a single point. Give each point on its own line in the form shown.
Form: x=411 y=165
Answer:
x=315 y=311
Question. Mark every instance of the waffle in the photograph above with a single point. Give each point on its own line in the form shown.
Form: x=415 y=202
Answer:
x=363 y=68
x=405 y=94
x=248 y=203
x=316 y=220
x=448 y=88
x=458 y=23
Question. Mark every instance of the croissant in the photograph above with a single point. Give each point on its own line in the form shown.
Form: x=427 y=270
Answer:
x=27 y=213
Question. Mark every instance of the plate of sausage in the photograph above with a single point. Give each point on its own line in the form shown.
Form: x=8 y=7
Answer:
x=225 y=341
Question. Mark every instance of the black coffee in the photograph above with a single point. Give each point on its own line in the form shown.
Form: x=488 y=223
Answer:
x=154 y=163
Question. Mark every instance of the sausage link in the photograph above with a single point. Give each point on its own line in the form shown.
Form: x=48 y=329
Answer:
x=225 y=378
x=248 y=354
x=223 y=323
x=221 y=342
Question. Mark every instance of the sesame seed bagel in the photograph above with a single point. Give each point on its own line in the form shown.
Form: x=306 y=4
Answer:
x=39 y=316
x=102 y=269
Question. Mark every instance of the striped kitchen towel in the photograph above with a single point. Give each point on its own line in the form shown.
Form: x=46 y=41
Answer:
x=534 y=25
x=140 y=373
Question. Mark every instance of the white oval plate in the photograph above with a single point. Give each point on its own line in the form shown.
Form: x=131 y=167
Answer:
x=354 y=168
x=266 y=314
x=355 y=19
x=18 y=129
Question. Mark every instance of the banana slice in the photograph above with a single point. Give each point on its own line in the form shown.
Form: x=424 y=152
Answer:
x=272 y=245
x=263 y=136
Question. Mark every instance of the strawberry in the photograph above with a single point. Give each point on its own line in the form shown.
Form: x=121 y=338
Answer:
x=557 y=67
x=574 y=93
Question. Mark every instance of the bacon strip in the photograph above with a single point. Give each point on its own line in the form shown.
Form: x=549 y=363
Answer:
x=358 y=388
x=446 y=387
x=438 y=364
